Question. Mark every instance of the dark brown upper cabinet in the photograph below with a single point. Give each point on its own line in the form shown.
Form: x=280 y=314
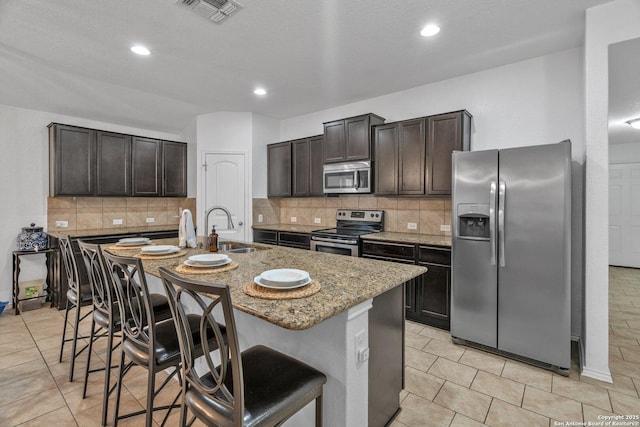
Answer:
x=386 y=164
x=349 y=139
x=413 y=157
x=91 y=162
x=279 y=169
x=174 y=169
x=445 y=133
x=316 y=159
x=400 y=157
x=113 y=164
x=146 y=154
x=294 y=168
x=72 y=152
x=300 y=168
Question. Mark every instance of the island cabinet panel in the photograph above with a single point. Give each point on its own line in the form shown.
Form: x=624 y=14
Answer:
x=349 y=139
x=427 y=297
x=113 y=164
x=174 y=169
x=316 y=159
x=72 y=153
x=446 y=133
x=301 y=168
x=279 y=169
x=146 y=153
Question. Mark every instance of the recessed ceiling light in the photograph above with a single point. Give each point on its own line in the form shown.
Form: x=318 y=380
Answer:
x=429 y=30
x=260 y=91
x=140 y=50
x=635 y=123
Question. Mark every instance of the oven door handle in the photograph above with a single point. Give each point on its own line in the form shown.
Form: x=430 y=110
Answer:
x=324 y=239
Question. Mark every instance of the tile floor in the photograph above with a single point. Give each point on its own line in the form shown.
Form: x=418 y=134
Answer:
x=446 y=385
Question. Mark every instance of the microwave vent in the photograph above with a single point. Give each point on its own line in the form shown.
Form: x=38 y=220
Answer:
x=215 y=10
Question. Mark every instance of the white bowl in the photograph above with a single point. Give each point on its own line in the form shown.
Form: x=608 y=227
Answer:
x=208 y=259
x=284 y=276
x=159 y=249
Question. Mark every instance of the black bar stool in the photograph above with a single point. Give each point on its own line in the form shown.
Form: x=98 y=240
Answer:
x=257 y=387
x=78 y=295
x=107 y=316
x=146 y=341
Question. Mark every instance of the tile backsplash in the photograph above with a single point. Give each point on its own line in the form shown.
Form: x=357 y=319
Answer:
x=427 y=214
x=88 y=213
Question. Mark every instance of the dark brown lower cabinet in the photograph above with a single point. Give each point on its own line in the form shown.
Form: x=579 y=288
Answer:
x=289 y=239
x=427 y=297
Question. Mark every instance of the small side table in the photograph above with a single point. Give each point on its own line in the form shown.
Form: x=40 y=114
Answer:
x=53 y=264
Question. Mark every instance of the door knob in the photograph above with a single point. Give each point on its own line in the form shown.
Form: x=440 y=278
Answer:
x=240 y=223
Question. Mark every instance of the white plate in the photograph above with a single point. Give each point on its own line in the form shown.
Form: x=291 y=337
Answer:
x=284 y=276
x=159 y=249
x=258 y=281
x=134 y=241
x=199 y=265
x=208 y=259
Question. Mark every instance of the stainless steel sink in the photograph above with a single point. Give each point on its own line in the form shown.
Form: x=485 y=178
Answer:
x=238 y=247
x=242 y=250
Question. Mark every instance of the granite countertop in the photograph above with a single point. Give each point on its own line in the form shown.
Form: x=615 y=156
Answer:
x=111 y=231
x=291 y=227
x=422 y=239
x=346 y=281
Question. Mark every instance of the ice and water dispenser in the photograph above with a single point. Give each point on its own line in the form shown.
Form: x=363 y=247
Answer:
x=473 y=221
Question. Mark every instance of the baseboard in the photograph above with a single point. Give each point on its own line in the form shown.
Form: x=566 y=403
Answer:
x=597 y=375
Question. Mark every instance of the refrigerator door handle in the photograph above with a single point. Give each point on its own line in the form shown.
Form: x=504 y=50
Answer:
x=492 y=222
x=502 y=192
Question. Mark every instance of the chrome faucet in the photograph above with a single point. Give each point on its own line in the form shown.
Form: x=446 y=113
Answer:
x=206 y=218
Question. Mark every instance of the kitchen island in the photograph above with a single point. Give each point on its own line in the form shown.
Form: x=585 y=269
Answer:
x=353 y=326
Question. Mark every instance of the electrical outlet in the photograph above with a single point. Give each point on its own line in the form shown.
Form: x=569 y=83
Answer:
x=260 y=218
x=117 y=221
x=317 y=220
x=151 y=220
x=362 y=349
x=62 y=224
x=445 y=227
x=412 y=226
x=294 y=219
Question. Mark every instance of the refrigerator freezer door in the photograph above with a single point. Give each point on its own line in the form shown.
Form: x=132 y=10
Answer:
x=534 y=283
x=474 y=271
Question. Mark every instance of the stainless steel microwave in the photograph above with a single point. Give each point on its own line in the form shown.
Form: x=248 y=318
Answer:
x=347 y=178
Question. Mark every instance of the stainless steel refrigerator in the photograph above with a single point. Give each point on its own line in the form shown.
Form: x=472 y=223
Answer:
x=511 y=251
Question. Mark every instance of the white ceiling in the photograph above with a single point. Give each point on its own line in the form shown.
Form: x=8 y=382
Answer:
x=72 y=56
x=624 y=91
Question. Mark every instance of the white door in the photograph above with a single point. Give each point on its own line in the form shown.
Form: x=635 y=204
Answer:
x=225 y=185
x=624 y=215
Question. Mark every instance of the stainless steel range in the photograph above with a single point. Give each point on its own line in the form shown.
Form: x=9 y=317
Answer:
x=345 y=238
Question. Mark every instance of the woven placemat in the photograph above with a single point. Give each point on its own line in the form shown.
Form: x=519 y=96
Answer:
x=254 y=290
x=178 y=254
x=187 y=269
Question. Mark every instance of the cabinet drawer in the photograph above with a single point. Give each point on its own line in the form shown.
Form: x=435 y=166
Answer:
x=294 y=239
x=389 y=250
x=434 y=255
x=265 y=236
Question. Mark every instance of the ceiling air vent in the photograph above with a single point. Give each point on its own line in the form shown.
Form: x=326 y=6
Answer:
x=215 y=10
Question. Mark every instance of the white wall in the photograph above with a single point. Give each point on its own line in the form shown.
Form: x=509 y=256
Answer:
x=532 y=102
x=266 y=130
x=24 y=179
x=606 y=24
x=624 y=153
